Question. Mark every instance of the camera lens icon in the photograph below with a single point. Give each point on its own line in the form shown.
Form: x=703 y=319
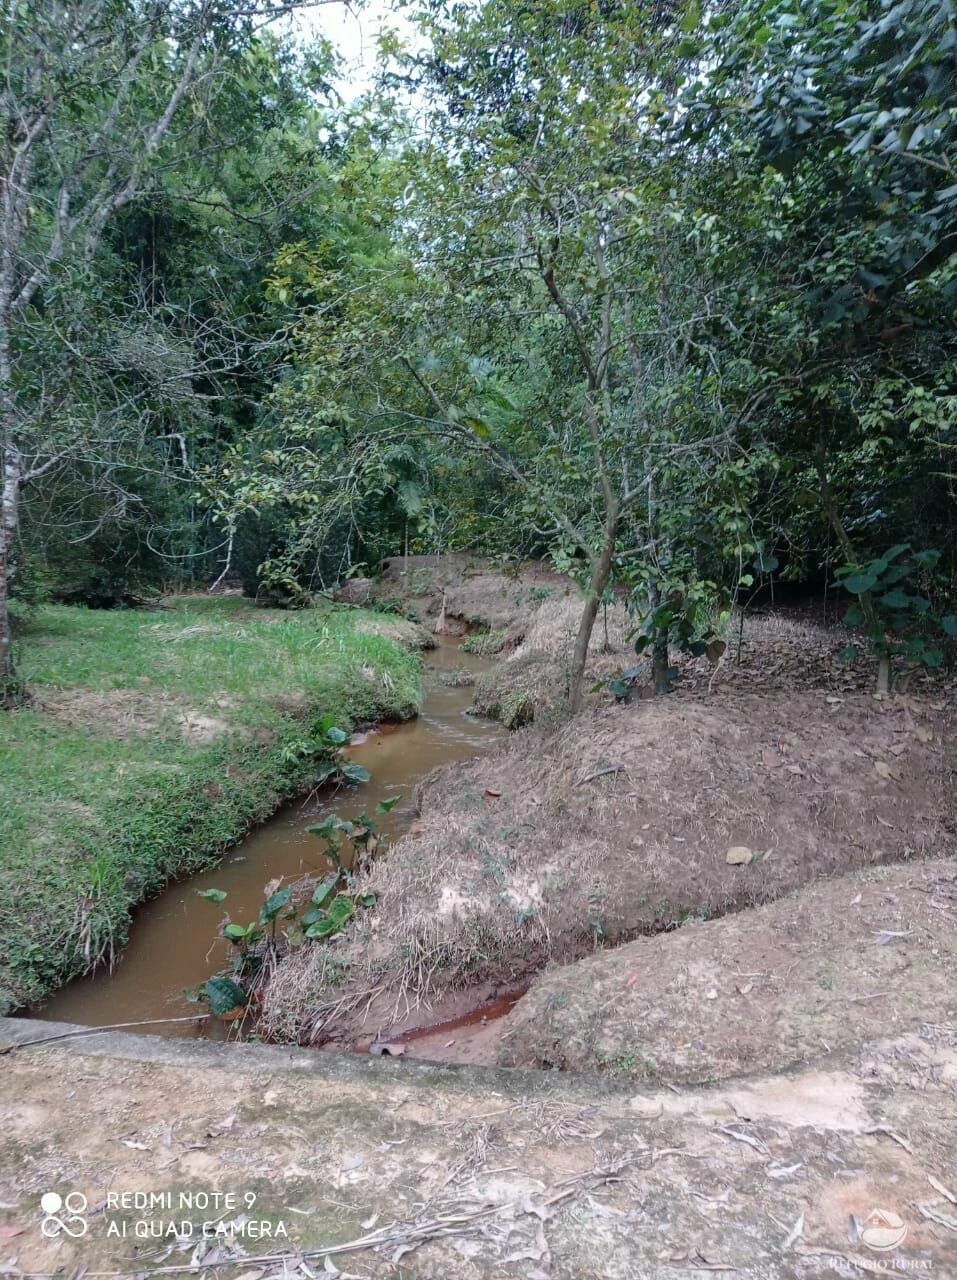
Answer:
x=63 y=1215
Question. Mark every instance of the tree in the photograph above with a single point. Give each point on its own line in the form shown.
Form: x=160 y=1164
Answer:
x=101 y=100
x=546 y=305
x=854 y=107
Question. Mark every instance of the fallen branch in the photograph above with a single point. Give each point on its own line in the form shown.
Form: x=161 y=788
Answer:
x=407 y=1235
x=601 y=773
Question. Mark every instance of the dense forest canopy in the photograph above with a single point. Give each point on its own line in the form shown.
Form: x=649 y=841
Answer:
x=662 y=291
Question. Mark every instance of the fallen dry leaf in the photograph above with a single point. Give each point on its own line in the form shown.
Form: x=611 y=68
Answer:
x=224 y=1126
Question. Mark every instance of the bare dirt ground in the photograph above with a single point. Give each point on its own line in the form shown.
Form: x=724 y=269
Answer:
x=410 y=634
x=770 y=653
x=820 y=971
x=532 y=680
x=377 y=1169
x=475 y=593
x=619 y=824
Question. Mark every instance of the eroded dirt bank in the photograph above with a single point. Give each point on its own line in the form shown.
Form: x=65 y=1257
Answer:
x=398 y=1169
x=462 y=589
x=618 y=824
x=821 y=971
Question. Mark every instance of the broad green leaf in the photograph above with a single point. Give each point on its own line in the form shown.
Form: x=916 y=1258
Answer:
x=274 y=904
x=896 y=599
x=860 y=583
x=324 y=891
x=224 y=996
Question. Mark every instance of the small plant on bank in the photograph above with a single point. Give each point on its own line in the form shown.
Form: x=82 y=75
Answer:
x=332 y=903
x=456 y=678
x=894 y=610
x=685 y=621
x=325 y=745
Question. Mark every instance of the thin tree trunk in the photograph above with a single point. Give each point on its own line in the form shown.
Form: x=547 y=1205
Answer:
x=10 y=469
x=8 y=533
x=884 y=673
x=850 y=555
x=659 y=662
x=600 y=573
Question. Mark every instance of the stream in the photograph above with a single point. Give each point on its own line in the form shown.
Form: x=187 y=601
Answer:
x=174 y=944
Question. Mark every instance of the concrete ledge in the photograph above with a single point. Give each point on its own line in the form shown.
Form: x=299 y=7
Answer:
x=352 y=1068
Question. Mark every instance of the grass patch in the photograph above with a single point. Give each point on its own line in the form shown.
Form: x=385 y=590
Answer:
x=484 y=643
x=153 y=741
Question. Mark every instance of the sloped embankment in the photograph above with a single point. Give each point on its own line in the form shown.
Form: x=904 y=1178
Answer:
x=475 y=592
x=818 y=972
x=616 y=825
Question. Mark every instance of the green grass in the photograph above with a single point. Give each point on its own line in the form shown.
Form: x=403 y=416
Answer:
x=105 y=796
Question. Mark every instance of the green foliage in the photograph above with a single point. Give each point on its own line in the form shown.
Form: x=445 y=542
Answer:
x=226 y=998
x=324 y=747
x=516 y=709
x=684 y=263
x=895 y=607
x=483 y=643
x=333 y=902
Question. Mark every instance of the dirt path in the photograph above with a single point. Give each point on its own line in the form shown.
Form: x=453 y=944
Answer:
x=456 y=1172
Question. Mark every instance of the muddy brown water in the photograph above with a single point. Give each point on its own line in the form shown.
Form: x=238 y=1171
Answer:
x=174 y=944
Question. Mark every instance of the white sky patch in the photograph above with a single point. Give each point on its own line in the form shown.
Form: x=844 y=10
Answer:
x=354 y=32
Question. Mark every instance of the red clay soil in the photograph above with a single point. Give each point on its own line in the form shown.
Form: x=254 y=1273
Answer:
x=474 y=591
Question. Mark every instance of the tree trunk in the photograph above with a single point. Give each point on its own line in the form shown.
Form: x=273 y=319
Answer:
x=8 y=533
x=884 y=673
x=847 y=547
x=659 y=662
x=600 y=573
